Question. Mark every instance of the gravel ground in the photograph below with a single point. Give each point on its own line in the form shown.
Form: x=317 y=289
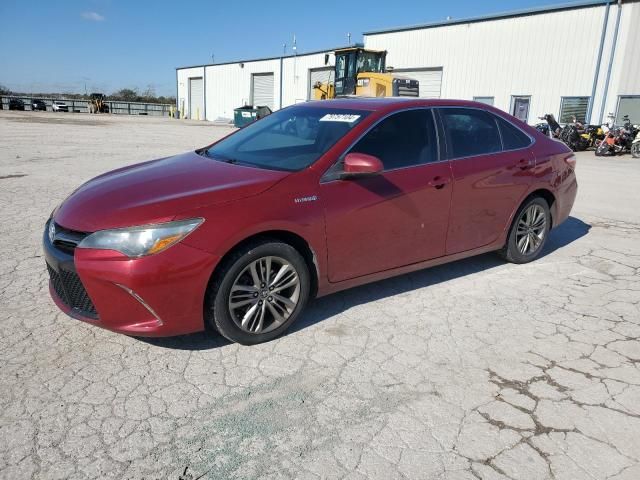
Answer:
x=473 y=370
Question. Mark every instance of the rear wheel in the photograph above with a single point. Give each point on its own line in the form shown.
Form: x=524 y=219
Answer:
x=528 y=232
x=258 y=292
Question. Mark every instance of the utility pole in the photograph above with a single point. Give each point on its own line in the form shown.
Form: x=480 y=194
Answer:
x=295 y=59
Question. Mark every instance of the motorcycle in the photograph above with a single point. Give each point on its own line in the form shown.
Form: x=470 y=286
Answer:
x=550 y=127
x=611 y=144
x=573 y=135
x=618 y=140
x=593 y=135
x=635 y=145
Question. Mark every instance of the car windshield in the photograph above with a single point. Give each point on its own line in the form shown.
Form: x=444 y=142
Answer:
x=290 y=139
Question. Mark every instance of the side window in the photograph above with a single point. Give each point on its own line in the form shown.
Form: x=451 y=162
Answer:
x=470 y=132
x=402 y=140
x=512 y=137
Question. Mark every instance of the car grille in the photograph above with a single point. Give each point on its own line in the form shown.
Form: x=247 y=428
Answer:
x=69 y=288
x=67 y=240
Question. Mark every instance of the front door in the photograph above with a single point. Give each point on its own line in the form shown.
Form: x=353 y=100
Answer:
x=394 y=219
x=520 y=108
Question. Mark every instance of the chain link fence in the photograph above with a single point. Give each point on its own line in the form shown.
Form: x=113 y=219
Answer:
x=82 y=106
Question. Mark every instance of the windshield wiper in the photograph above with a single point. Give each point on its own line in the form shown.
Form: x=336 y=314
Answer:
x=219 y=158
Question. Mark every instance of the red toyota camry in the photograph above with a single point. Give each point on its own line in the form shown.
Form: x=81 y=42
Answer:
x=312 y=199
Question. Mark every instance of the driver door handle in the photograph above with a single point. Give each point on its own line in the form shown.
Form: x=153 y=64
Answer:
x=438 y=182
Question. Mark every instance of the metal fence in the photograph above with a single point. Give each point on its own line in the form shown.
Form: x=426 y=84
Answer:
x=82 y=106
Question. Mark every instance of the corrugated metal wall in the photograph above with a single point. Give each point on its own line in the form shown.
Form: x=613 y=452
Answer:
x=183 y=75
x=295 y=71
x=544 y=56
x=229 y=86
x=625 y=73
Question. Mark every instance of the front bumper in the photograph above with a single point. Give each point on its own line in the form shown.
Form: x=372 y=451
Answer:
x=159 y=295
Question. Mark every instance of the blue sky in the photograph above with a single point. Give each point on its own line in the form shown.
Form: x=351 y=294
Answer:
x=48 y=45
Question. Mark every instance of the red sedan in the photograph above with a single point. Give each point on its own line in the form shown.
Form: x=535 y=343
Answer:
x=312 y=199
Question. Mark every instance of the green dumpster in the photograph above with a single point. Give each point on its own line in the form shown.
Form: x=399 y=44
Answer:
x=243 y=116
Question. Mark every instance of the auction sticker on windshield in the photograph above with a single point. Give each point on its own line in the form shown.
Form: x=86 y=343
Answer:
x=339 y=117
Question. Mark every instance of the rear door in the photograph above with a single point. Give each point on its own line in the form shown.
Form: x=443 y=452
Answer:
x=491 y=165
x=396 y=218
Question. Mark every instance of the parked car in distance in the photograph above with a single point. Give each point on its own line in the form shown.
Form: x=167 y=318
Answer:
x=16 y=104
x=59 y=106
x=312 y=199
x=37 y=104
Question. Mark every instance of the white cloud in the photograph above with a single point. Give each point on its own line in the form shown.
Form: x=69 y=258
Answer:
x=92 y=16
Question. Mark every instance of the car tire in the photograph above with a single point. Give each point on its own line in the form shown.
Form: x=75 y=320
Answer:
x=529 y=231
x=260 y=308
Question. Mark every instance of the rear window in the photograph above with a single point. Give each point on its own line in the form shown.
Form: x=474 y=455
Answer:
x=512 y=137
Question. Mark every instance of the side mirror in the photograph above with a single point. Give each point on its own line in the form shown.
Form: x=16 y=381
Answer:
x=361 y=165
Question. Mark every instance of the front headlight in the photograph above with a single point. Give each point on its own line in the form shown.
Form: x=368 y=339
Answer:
x=143 y=240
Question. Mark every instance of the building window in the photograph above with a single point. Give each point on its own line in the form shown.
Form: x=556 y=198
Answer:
x=485 y=100
x=520 y=107
x=573 y=107
x=628 y=105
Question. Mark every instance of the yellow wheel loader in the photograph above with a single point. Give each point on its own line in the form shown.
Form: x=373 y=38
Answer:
x=97 y=103
x=362 y=72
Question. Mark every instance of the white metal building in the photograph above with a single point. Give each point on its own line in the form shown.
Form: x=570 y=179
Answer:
x=581 y=58
x=213 y=91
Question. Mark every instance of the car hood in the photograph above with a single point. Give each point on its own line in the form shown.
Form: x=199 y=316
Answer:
x=157 y=191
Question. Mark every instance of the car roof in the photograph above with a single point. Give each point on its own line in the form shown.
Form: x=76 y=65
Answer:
x=390 y=103
x=385 y=105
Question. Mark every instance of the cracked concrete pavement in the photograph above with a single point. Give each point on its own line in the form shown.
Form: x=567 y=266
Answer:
x=474 y=370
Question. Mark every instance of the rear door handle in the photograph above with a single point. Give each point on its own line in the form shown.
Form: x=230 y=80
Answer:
x=525 y=163
x=438 y=182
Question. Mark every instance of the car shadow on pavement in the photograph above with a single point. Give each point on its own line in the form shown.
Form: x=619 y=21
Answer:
x=568 y=232
x=317 y=311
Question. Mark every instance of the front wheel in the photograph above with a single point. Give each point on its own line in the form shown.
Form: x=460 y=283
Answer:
x=635 y=150
x=529 y=231
x=259 y=292
x=602 y=149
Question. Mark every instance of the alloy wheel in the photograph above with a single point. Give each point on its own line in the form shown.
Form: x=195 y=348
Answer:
x=264 y=295
x=531 y=229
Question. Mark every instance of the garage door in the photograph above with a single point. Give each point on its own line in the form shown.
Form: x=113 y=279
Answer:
x=628 y=106
x=322 y=75
x=430 y=80
x=262 y=90
x=196 y=98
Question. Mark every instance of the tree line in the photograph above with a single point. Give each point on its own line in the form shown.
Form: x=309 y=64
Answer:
x=124 y=94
